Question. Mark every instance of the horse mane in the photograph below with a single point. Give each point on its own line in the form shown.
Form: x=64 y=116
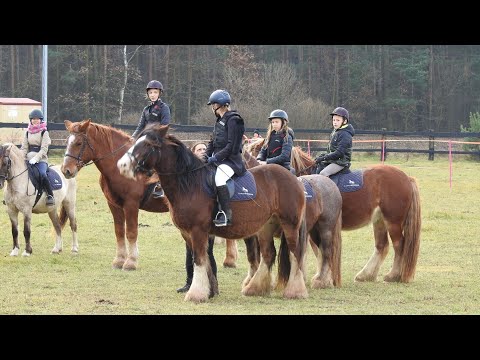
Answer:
x=254 y=147
x=189 y=169
x=107 y=132
x=300 y=160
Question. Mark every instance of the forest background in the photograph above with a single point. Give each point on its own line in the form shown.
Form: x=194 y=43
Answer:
x=396 y=87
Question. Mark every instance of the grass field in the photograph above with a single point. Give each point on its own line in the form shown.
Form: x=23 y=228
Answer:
x=447 y=279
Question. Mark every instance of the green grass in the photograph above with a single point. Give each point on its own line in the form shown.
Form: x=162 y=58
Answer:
x=446 y=281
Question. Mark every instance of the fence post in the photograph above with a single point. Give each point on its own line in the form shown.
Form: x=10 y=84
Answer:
x=383 y=150
x=431 y=145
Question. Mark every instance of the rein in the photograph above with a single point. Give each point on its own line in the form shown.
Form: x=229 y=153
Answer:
x=80 y=163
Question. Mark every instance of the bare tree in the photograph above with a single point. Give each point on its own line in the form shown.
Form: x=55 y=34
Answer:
x=126 y=61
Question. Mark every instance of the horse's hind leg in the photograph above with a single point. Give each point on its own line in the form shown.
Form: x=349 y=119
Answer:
x=231 y=254
x=371 y=268
x=253 y=256
x=27 y=220
x=323 y=278
x=58 y=231
x=395 y=231
x=261 y=282
x=14 y=222
x=73 y=226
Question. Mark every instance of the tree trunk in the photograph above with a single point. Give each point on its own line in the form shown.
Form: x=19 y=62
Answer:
x=104 y=85
x=125 y=77
x=12 y=70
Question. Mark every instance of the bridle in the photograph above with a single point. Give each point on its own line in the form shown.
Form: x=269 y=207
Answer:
x=80 y=163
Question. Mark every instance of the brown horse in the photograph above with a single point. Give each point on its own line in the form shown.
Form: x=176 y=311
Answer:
x=279 y=199
x=324 y=224
x=91 y=143
x=389 y=199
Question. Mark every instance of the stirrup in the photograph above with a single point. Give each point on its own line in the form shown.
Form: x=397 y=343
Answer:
x=158 y=194
x=218 y=222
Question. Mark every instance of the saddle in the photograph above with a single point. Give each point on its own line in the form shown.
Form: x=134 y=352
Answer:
x=347 y=180
x=52 y=176
x=240 y=188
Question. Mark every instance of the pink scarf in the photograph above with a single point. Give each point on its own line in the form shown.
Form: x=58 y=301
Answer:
x=33 y=129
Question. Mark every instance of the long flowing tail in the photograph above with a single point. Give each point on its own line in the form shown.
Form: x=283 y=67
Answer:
x=411 y=234
x=336 y=260
x=63 y=217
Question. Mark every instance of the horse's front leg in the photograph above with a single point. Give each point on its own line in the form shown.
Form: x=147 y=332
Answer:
x=58 y=231
x=253 y=256
x=13 y=214
x=231 y=254
x=119 y=223
x=201 y=289
x=131 y=216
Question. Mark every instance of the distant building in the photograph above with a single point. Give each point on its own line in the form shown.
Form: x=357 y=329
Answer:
x=15 y=110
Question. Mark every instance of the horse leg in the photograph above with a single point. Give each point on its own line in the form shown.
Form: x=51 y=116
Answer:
x=13 y=214
x=119 y=223
x=58 y=231
x=201 y=289
x=27 y=219
x=253 y=256
x=323 y=278
x=261 y=282
x=231 y=254
x=131 y=217
x=371 y=268
x=395 y=231
x=295 y=287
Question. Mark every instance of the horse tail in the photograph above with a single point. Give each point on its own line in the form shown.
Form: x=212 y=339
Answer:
x=411 y=228
x=284 y=265
x=336 y=259
x=63 y=217
x=283 y=262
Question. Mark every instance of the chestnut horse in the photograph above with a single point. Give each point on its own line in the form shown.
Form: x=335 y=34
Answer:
x=279 y=199
x=324 y=224
x=91 y=143
x=389 y=199
x=20 y=198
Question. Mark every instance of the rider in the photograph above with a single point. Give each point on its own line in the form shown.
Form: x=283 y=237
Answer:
x=225 y=150
x=156 y=111
x=35 y=149
x=277 y=148
x=340 y=146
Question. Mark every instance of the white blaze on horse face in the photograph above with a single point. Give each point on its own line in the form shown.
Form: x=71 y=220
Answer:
x=125 y=163
x=70 y=140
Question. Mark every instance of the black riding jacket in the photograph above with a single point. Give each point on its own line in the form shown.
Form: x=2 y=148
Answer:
x=157 y=111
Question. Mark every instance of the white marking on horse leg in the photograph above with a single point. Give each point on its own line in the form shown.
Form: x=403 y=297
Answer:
x=58 y=245
x=15 y=251
x=261 y=282
x=200 y=288
x=74 y=242
x=295 y=288
x=132 y=258
x=25 y=253
x=371 y=268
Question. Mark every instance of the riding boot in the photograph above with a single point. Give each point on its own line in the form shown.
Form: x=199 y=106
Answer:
x=158 y=191
x=50 y=200
x=224 y=216
x=189 y=268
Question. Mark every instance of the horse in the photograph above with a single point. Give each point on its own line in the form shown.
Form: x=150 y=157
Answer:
x=390 y=200
x=279 y=199
x=91 y=143
x=19 y=197
x=324 y=224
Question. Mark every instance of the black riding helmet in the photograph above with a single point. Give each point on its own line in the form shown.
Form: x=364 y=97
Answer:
x=155 y=84
x=36 y=113
x=278 y=114
x=221 y=97
x=340 y=111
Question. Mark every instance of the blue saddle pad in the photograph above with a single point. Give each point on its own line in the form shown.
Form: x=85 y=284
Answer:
x=308 y=189
x=349 y=182
x=240 y=187
x=54 y=179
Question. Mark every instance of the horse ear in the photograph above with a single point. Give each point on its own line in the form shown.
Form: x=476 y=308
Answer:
x=84 y=125
x=68 y=124
x=163 y=130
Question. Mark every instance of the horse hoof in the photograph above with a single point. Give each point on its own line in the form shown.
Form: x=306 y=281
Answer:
x=362 y=278
x=322 y=284
x=129 y=265
x=56 y=251
x=118 y=263
x=195 y=297
x=75 y=250
x=391 y=278
x=229 y=264
x=14 y=252
x=25 y=253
